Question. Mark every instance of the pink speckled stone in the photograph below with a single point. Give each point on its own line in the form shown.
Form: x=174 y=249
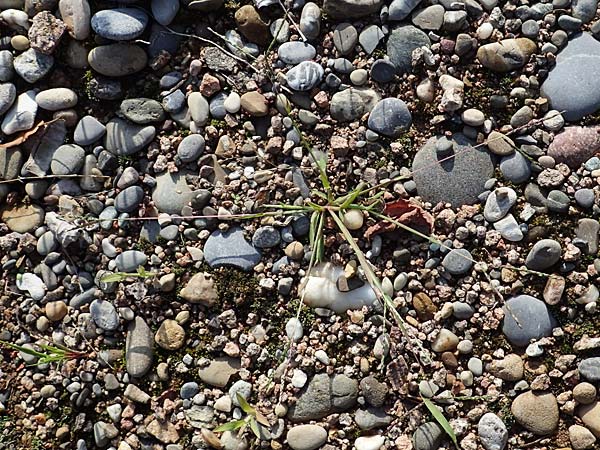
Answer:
x=575 y=145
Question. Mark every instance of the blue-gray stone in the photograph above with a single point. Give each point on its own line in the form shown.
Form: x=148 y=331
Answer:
x=458 y=261
x=190 y=148
x=174 y=102
x=383 y=71
x=8 y=94
x=401 y=43
x=189 y=389
x=400 y=9
x=88 y=131
x=217 y=105
x=558 y=201
x=296 y=52
x=584 y=10
x=462 y=310
x=124 y=138
x=304 y=76
x=170 y=232
x=585 y=197
x=230 y=248
x=162 y=40
x=526 y=318
x=572 y=85
x=428 y=436
x=515 y=168
x=130 y=260
x=170 y=79
x=119 y=24
x=171 y=192
x=32 y=65
x=458 y=180
x=266 y=237
x=104 y=314
x=589 y=369
x=6 y=65
x=390 y=117
x=370 y=37
x=129 y=198
x=164 y=11
x=543 y=255
x=139 y=348
x=67 y=160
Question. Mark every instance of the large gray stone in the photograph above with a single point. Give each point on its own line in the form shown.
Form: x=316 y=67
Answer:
x=139 y=348
x=526 y=318
x=117 y=60
x=342 y=9
x=124 y=138
x=458 y=180
x=32 y=65
x=230 y=248
x=390 y=117
x=171 y=192
x=401 y=43
x=119 y=24
x=572 y=85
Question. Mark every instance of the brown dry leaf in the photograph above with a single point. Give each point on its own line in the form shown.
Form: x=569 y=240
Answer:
x=22 y=137
x=405 y=212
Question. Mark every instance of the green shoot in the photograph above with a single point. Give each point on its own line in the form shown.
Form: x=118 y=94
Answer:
x=252 y=419
x=122 y=276
x=48 y=354
x=441 y=420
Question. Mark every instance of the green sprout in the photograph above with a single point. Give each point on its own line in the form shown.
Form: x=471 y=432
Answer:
x=48 y=354
x=122 y=276
x=252 y=419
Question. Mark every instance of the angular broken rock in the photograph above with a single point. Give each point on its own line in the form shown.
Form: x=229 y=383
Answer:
x=200 y=289
x=219 y=371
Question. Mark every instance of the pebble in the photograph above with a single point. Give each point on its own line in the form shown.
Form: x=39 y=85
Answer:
x=32 y=65
x=581 y=438
x=536 y=412
x=124 y=138
x=8 y=95
x=104 y=315
x=515 y=168
x=130 y=260
x=499 y=203
x=164 y=11
x=304 y=76
x=584 y=393
x=306 y=437
x=401 y=43
x=369 y=442
x=142 y=110
x=76 y=14
x=526 y=318
x=445 y=341
x=56 y=99
x=458 y=261
x=506 y=55
x=117 y=60
x=255 y=104
x=21 y=116
x=543 y=255
x=190 y=148
x=575 y=145
x=139 y=349
x=128 y=199
x=67 y=159
x=370 y=37
x=492 y=432
x=428 y=436
x=23 y=218
x=390 y=117
x=230 y=248
x=119 y=24
x=296 y=52
x=345 y=38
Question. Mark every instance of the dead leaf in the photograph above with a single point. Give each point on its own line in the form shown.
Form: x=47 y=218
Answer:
x=22 y=137
x=405 y=212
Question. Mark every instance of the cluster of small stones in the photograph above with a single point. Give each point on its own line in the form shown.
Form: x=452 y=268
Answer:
x=134 y=136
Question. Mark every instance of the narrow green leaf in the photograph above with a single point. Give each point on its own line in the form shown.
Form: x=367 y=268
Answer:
x=439 y=417
x=254 y=427
x=230 y=426
x=244 y=404
x=262 y=419
x=26 y=350
x=312 y=231
x=113 y=277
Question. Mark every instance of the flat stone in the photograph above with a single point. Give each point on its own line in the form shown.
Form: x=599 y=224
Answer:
x=23 y=218
x=458 y=180
x=129 y=199
x=575 y=145
x=526 y=318
x=323 y=396
x=543 y=255
x=590 y=416
x=117 y=60
x=515 y=168
x=345 y=37
x=7 y=70
x=499 y=144
x=570 y=85
x=43 y=150
x=67 y=159
x=536 y=412
x=255 y=104
x=230 y=248
x=400 y=9
x=589 y=369
x=352 y=103
x=430 y=18
x=428 y=436
x=164 y=11
x=11 y=161
x=584 y=10
x=170 y=335
x=76 y=14
x=139 y=348
x=506 y=55
x=219 y=371
x=200 y=289
x=32 y=65
x=509 y=228
x=171 y=192
x=296 y=52
x=342 y=9
x=401 y=43
x=124 y=138
x=492 y=432
x=390 y=117
x=306 y=437
x=56 y=99
x=21 y=116
x=370 y=37
x=8 y=95
x=304 y=76
x=104 y=315
x=142 y=110
x=130 y=260
x=587 y=230
x=119 y=24
x=190 y=148
x=458 y=261
x=499 y=203
x=88 y=131
x=45 y=32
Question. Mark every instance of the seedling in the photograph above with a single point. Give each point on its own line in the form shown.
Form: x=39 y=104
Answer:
x=122 y=276
x=252 y=419
x=48 y=354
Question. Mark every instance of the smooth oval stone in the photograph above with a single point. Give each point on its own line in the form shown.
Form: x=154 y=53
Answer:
x=296 y=52
x=139 y=348
x=22 y=114
x=345 y=37
x=217 y=105
x=383 y=71
x=32 y=65
x=117 y=60
x=190 y=148
x=305 y=76
x=458 y=261
x=230 y=248
x=124 y=138
x=199 y=108
x=67 y=159
x=23 y=218
x=88 y=131
x=8 y=94
x=171 y=192
x=401 y=43
x=129 y=198
x=390 y=117
x=130 y=260
x=164 y=11
x=119 y=24
x=543 y=255
x=142 y=110
x=104 y=315
x=526 y=318
x=76 y=14
x=7 y=70
x=515 y=168
x=56 y=99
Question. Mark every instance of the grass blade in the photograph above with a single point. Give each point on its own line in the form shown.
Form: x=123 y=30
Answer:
x=254 y=427
x=439 y=418
x=231 y=426
x=245 y=405
x=113 y=277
